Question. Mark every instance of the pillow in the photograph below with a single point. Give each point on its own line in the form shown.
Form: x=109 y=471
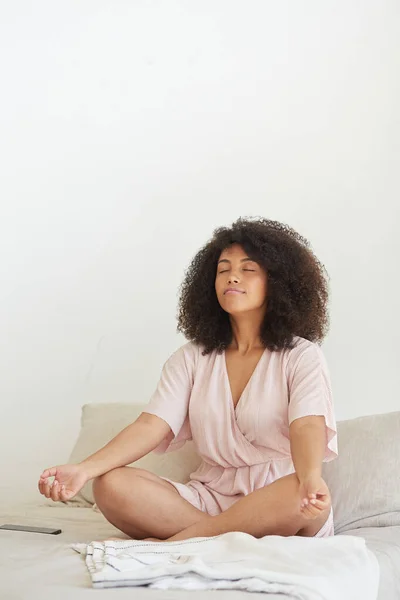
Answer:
x=364 y=480
x=100 y=423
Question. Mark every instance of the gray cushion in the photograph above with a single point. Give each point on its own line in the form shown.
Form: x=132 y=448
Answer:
x=365 y=479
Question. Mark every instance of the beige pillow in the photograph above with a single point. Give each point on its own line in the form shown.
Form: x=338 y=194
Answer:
x=102 y=422
x=364 y=480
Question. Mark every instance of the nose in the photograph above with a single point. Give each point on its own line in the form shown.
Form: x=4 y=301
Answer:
x=233 y=278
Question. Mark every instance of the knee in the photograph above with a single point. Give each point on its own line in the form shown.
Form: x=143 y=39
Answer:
x=106 y=484
x=112 y=484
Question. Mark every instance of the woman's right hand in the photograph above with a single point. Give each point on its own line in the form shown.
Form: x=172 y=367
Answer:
x=68 y=481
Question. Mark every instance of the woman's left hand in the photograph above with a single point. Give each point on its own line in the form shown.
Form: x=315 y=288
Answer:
x=314 y=496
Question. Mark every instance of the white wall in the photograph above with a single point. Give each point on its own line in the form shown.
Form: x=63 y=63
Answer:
x=129 y=131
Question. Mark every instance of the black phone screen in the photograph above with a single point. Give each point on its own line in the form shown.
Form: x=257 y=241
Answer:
x=49 y=530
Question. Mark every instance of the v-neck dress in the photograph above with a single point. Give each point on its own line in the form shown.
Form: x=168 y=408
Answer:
x=246 y=447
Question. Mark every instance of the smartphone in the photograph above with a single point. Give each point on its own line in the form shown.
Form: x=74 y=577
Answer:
x=32 y=529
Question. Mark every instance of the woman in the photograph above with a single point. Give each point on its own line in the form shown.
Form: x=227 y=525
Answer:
x=251 y=388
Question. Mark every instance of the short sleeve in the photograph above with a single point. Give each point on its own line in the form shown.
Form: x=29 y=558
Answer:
x=170 y=400
x=310 y=393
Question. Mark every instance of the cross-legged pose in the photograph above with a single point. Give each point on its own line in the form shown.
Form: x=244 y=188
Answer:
x=251 y=388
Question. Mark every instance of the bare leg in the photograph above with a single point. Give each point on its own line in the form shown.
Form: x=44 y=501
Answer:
x=142 y=504
x=272 y=510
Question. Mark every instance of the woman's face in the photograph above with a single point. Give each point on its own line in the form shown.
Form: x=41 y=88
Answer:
x=236 y=270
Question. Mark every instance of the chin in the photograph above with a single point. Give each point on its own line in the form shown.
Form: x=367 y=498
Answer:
x=236 y=311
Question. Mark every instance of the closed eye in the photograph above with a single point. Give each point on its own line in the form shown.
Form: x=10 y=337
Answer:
x=243 y=270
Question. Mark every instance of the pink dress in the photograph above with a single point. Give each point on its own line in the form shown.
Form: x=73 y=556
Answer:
x=246 y=447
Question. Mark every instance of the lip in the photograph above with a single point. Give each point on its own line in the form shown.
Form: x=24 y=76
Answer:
x=233 y=291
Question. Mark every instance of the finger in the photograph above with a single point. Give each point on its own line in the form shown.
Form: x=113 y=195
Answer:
x=52 y=472
x=47 y=489
x=312 y=495
x=312 y=509
x=64 y=494
x=320 y=504
x=42 y=486
x=45 y=484
x=310 y=512
x=305 y=513
x=306 y=509
x=55 y=491
x=322 y=496
x=52 y=490
x=59 y=493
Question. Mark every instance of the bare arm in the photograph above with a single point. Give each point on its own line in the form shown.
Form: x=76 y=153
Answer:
x=307 y=444
x=135 y=441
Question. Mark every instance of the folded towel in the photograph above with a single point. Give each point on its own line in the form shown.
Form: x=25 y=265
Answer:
x=296 y=567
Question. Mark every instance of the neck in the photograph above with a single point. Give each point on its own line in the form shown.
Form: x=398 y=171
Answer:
x=246 y=333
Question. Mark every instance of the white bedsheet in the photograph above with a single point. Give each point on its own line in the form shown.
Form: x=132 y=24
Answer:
x=44 y=566
x=296 y=567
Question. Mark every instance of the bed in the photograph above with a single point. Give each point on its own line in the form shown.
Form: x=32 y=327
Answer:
x=365 y=491
x=44 y=566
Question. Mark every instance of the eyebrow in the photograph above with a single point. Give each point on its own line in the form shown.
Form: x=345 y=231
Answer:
x=241 y=260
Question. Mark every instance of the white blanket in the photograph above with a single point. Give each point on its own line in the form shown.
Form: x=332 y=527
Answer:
x=297 y=567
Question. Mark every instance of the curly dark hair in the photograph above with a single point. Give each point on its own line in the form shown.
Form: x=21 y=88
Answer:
x=297 y=294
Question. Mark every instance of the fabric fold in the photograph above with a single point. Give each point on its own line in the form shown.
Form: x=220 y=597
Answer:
x=295 y=567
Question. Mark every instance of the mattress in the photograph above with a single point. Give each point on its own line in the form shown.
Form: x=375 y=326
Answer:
x=44 y=566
